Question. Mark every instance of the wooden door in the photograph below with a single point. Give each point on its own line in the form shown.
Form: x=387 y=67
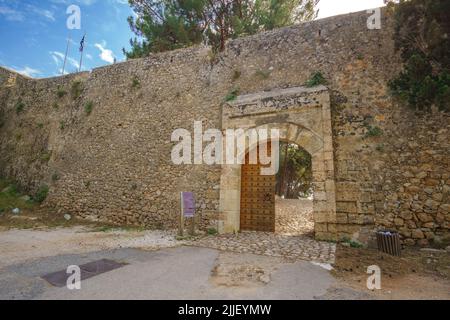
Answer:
x=257 y=198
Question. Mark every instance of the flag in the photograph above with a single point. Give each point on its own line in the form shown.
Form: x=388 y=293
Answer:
x=82 y=44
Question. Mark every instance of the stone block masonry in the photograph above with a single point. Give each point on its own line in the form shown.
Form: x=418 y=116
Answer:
x=114 y=163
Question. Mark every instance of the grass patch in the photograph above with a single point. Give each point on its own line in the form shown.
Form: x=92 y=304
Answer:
x=232 y=95
x=55 y=106
x=11 y=198
x=353 y=243
x=212 y=231
x=316 y=79
x=88 y=107
x=62 y=125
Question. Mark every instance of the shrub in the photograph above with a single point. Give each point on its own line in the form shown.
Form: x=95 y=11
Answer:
x=55 y=177
x=374 y=132
x=135 y=83
x=20 y=106
x=45 y=157
x=2 y=119
x=60 y=92
x=42 y=194
x=263 y=74
x=55 y=106
x=316 y=79
x=77 y=89
x=236 y=75
x=62 y=125
x=88 y=107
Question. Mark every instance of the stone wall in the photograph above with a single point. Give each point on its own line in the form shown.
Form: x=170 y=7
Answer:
x=114 y=164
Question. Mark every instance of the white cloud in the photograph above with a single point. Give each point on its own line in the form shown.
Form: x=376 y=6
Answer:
x=58 y=58
x=11 y=14
x=328 y=8
x=105 y=54
x=27 y=71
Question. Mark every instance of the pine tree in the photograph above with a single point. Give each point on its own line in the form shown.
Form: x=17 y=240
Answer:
x=163 y=25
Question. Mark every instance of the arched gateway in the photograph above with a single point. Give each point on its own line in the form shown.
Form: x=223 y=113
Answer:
x=302 y=116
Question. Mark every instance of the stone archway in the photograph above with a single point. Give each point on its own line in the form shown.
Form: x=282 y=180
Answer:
x=302 y=116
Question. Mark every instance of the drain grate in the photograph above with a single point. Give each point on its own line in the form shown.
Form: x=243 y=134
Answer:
x=89 y=270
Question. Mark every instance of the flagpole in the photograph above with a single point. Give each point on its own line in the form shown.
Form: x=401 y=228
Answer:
x=82 y=50
x=65 y=57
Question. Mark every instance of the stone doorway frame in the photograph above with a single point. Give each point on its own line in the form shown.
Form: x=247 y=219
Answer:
x=303 y=117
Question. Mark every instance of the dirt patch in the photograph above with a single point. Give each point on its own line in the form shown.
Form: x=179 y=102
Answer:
x=416 y=274
x=17 y=246
x=238 y=270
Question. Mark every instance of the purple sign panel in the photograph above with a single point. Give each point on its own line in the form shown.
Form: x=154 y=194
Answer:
x=188 y=204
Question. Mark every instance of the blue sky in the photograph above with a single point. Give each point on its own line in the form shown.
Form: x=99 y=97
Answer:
x=33 y=33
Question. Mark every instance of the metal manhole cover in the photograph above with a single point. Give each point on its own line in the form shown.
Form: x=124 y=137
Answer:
x=88 y=270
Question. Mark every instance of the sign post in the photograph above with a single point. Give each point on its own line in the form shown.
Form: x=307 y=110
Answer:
x=187 y=211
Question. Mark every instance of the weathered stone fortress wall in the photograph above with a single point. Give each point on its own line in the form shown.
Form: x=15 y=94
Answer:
x=114 y=164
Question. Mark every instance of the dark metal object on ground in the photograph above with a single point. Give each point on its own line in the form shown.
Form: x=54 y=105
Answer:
x=89 y=270
x=389 y=242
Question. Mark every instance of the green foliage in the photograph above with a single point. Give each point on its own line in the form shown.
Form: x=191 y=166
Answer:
x=41 y=194
x=263 y=74
x=164 y=25
x=60 y=92
x=373 y=131
x=55 y=177
x=76 y=89
x=135 y=83
x=380 y=148
x=422 y=36
x=40 y=125
x=236 y=75
x=316 y=79
x=46 y=156
x=294 y=179
x=352 y=243
x=88 y=107
x=232 y=95
x=62 y=125
x=55 y=106
x=212 y=231
x=11 y=197
x=20 y=106
x=2 y=118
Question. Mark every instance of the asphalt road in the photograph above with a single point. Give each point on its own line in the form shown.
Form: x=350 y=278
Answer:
x=174 y=273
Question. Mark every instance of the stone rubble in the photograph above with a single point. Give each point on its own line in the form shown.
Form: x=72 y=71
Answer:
x=270 y=244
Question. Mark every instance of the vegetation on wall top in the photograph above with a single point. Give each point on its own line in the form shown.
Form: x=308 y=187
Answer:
x=422 y=36
x=165 y=25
